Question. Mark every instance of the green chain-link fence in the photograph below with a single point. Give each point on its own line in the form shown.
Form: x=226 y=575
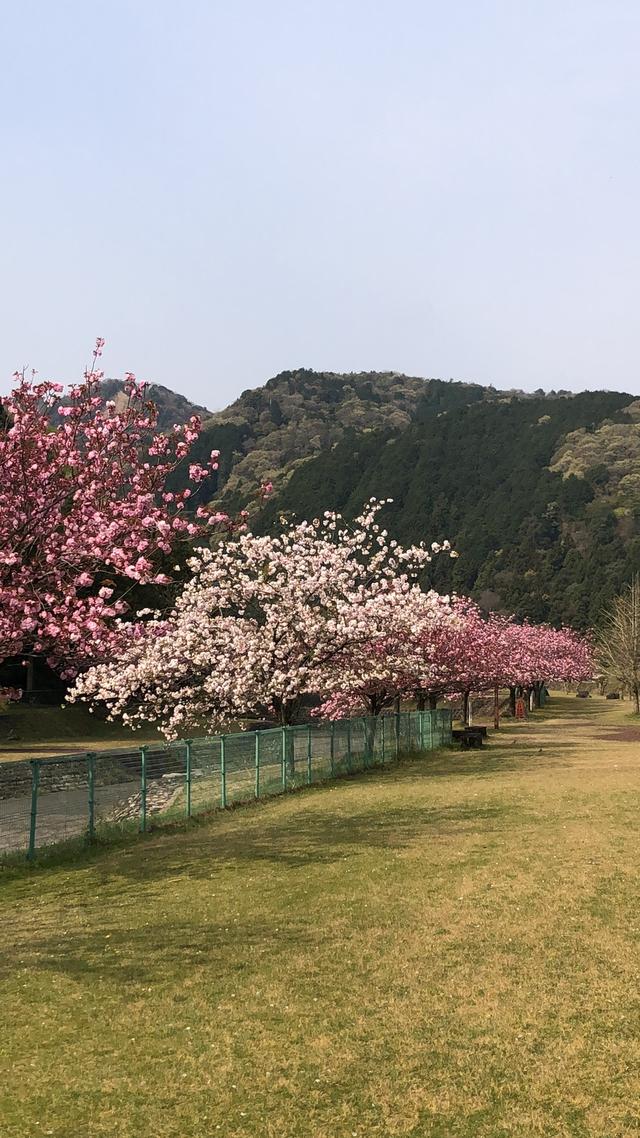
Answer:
x=47 y=801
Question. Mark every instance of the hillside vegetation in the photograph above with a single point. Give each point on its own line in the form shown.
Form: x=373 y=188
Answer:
x=539 y=493
x=531 y=540
x=268 y=433
x=608 y=458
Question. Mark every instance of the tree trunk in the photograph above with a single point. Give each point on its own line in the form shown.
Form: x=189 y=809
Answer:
x=466 y=708
x=636 y=697
x=496 y=708
x=432 y=701
x=289 y=753
x=396 y=708
x=370 y=729
x=513 y=691
x=287 y=713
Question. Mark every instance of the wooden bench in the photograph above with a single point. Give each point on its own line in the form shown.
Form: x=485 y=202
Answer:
x=469 y=736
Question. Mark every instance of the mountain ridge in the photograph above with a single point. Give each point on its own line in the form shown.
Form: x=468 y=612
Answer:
x=539 y=492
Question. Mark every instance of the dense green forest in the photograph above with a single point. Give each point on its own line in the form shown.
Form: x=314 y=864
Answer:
x=536 y=541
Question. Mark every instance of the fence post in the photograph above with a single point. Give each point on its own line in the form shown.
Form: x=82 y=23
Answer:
x=284 y=758
x=332 y=746
x=35 y=782
x=91 y=784
x=431 y=715
x=187 y=779
x=383 y=721
x=223 y=771
x=397 y=717
x=309 y=755
x=348 y=746
x=143 y=789
x=256 y=746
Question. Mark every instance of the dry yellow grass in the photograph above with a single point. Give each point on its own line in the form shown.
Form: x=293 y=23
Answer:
x=449 y=949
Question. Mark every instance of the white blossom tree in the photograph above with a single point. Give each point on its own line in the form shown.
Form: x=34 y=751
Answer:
x=258 y=625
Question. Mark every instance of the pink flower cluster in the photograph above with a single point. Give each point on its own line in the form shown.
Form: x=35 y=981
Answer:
x=459 y=649
x=10 y=695
x=85 y=513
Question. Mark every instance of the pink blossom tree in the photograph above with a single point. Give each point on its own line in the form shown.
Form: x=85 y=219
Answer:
x=388 y=664
x=481 y=652
x=85 y=514
x=538 y=654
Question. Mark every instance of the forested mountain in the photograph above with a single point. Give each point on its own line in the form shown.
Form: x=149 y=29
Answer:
x=269 y=432
x=172 y=407
x=546 y=543
x=540 y=494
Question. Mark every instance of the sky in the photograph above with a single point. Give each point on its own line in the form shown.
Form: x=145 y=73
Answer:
x=224 y=190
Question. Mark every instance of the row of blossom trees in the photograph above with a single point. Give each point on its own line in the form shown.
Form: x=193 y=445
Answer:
x=249 y=626
x=460 y=652
x=325 y=609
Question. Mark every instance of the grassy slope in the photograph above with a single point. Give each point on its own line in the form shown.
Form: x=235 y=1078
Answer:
x=448 y=948
x=33 y=732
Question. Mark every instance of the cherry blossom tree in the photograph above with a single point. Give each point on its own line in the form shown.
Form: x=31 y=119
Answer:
x=260 y=623
x=484 y=652
x=403 y=624
x=541 y=654
x=85 y=514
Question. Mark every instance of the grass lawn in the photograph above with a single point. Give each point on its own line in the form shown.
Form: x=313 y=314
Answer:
x=448 y=948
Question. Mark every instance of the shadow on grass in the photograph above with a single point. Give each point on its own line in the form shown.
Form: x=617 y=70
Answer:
x=303 y=839
x=127 y=948
x=166 y=952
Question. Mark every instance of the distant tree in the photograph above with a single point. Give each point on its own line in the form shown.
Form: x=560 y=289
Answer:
x=618 y=647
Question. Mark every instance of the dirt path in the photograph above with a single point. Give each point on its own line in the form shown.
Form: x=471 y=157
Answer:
x=577 y=727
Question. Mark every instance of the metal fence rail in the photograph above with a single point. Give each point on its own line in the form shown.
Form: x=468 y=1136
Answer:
x=47 y=801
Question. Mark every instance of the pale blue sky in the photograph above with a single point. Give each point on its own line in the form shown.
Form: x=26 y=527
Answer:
x=225 y=190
